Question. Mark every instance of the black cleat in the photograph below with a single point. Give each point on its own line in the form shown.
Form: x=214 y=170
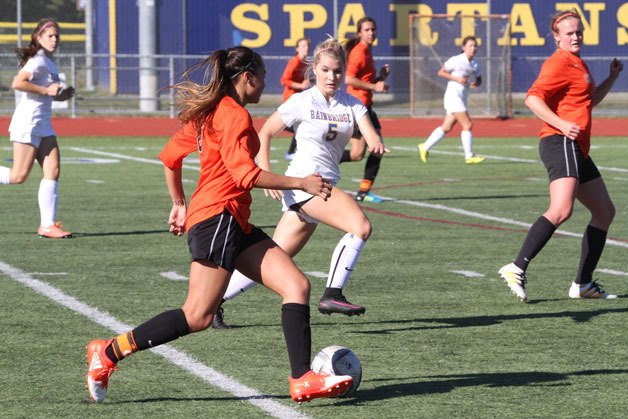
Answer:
x=339 y=304
x=219 y=320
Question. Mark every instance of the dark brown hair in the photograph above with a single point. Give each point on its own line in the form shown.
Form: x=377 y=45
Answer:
x=351 y=43
x=27 y=52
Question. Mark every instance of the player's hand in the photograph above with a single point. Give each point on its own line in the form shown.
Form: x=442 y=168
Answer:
x=381 y=86
x=570 y=129
x=53 y=89
x=384 y=72
x=315 y=184
x=473 y=85
x=65 y=94
x=616 y=67
x=379 y=149
x=176 y=220
x=273 y=193
x=462 y=80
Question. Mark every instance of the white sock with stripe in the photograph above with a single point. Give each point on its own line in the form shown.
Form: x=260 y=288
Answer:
x=343 y=260
x=237 y=285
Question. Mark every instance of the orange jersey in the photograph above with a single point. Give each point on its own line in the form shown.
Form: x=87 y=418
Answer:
x=566 y=86
x=227 y=147
x=360 y=64
x=293 y=73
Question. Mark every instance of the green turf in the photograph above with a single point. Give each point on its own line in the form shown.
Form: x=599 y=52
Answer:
x=433 y=343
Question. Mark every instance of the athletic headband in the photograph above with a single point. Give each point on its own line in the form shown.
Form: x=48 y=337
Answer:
x=245 y=68
x=46 y=26
x=563 y=17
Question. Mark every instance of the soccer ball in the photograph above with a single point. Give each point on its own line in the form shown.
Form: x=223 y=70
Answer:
x=339 y=360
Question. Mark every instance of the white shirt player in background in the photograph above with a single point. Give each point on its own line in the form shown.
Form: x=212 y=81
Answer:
x=463 y=72
x=31 y=130
x=323 y=118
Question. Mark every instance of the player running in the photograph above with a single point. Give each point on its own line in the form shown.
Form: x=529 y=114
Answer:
x=323 y=118
x=221 y=239
x=463 y=72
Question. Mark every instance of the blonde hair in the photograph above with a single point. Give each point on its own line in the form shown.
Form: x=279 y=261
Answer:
x=562 y=15
x=331 y=48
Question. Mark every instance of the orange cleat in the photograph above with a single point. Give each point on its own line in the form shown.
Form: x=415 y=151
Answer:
x=54 y=231
x=99 y=369
x=314 y=385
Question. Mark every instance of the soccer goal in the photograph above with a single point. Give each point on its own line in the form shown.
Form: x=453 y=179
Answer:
x=436 y=37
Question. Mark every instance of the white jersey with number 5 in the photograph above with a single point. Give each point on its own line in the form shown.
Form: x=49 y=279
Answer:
x=322 y=130
x=456 y=94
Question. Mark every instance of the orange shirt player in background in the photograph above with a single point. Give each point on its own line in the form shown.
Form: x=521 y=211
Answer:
x=563 y=97
x=294 y=80
x=220 y=237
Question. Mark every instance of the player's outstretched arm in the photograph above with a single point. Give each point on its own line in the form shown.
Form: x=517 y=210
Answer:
x=176 y=219
x=273 y=126
x=374 y=141
x=602 y=90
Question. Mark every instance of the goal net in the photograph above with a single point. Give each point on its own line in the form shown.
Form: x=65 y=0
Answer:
x=435 y=38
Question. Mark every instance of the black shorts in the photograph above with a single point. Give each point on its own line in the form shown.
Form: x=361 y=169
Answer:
x=220 y=240
x=562 y=158
x=374 y=120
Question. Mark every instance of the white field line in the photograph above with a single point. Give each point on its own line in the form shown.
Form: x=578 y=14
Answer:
x=176 y=357
x=460 y=211
x=612 y=272
x=469 y=274
x=173 y=276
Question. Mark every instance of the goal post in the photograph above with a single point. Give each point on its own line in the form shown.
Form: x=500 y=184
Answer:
x=436 y=37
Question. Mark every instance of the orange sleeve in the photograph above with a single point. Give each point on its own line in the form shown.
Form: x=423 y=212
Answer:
x=286 y=78
x=551 y=79
x=239 y=146
x=354 y=63
x=182 y=143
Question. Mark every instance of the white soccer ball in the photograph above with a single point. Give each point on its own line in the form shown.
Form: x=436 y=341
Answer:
x=339 y=360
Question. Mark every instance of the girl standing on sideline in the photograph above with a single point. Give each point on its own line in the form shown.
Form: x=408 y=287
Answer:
x=293 y=80
x=220 y=237
x=458 y=70
x=563 y=97
x=31 y=130
x=361 y=81
x=324 y=118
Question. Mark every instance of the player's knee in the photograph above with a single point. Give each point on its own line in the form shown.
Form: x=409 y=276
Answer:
x=363 y=230
x=19 y=177
x=560 y=216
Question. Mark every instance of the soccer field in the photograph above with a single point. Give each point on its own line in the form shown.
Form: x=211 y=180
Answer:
x=442 y=335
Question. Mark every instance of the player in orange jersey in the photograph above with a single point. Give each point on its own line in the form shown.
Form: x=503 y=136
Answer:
x=563 y=96
x=362 y=80
x=220 y=237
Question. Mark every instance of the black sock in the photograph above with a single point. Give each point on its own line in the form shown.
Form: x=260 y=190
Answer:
x=295 y=321
x=346 y=156
x=332 y=292
x=372 y=167
x=593 y=243
x=538 y=236
x=163 y=328
x=293 y=146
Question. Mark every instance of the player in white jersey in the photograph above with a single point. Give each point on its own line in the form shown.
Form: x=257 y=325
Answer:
x=31 y=130
x=323 y=118
x=463 y=72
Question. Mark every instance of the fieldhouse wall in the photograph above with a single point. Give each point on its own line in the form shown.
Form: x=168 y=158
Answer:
x=272 y=27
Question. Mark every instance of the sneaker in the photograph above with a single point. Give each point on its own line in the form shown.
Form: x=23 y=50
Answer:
x=475 y=159
x=99 y=369
x=423 y=153
x=339 y=304
x=219 y=319
x=590 y=290
x=54 y=231
x=288 y=156
x=515 y=277
x=362 y=196
x=314 y=385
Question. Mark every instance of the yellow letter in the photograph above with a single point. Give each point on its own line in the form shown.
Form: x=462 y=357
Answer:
x=349 y=20
x=591 y=27
x=298 y=24
x=401 y=12
x=252 y=25
x=522 y=21
x=622 y=18
x=467 y=24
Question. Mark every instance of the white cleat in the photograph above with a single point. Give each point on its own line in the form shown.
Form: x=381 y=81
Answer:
x=515 y=278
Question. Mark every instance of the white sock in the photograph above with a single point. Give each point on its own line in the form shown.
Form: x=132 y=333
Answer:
x=343 y=260
x=467 y=143
x=5 y=179
x=237 y=285
x=434 y=137
x=47 y=198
